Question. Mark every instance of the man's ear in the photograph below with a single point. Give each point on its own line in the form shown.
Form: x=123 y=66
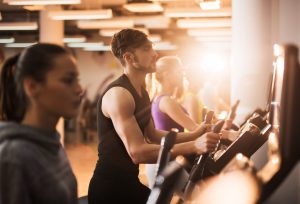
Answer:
x=31 y=87
x=128 y=57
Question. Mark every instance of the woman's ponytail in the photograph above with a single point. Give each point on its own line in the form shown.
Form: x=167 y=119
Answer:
x=35 y=62
x=9 y=99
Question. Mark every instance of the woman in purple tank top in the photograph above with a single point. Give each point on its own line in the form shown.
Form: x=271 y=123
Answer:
x=166 y=109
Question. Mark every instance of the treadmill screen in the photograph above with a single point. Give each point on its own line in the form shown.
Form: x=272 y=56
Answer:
x=284 y=113
x=284 y=139
x=277 y=90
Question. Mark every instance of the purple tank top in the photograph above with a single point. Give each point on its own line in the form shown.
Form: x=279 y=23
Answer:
x=161 y=120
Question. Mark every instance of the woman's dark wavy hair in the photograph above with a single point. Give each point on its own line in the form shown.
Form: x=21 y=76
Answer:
x=127 y=40
x=35 y=62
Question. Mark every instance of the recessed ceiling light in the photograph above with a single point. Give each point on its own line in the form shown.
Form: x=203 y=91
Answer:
x=34 y=7
x=105 y=24
x=19 y=45
x=196 y=12
x=164 y=45
x=19 y=26
x=209 y=32
x=100 y=48
x=154 y=38
x=7 y=40
x=204 y=23
x=214 y=39
x=74 y=39
x=111 y=32
x=209 y=4
x=144 y=7
x=81 y=14
x=41 y=2
x=85 y=44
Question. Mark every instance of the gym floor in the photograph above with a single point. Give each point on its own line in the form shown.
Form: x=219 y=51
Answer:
x=83 y=159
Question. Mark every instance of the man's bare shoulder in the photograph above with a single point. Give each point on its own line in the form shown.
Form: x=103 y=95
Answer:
x=117 y=99
x=117 y=93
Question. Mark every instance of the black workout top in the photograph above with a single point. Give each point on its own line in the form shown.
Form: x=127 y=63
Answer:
x=112 y=152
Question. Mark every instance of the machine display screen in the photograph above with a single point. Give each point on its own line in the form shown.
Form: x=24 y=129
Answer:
x=277 y=90
x=285 y=100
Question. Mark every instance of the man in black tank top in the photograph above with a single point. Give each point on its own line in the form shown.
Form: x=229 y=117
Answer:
x=124 y=123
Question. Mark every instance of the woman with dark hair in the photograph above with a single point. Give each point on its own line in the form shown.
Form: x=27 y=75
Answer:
x=37 y=87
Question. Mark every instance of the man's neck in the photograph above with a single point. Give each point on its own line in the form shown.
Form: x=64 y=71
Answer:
x=137 y=79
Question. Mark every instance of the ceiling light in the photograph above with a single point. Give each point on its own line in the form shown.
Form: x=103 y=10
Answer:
x=196 y=12
x=100 y=48
x=209 y=5
x=19 y=26
x=152 y=22
x=34 y=7
x=108 y=32
x=165 y=0
x=144 y=7
x=105 y=24
x=209 y=32
x=41 y=2
x=111 y=32
x=81 y=14
x=154 y=38
x=74 y=39
x=85 y=44
x=214 y=45
x=160 y=46
x=203 y=23
x=19 y=45
x=7 y=40
x=214 y=39
x=149 y=22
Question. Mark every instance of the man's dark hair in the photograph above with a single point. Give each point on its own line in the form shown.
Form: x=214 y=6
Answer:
x=127 y=40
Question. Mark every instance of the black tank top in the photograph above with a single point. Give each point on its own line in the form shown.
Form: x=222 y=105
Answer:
x=112 y=152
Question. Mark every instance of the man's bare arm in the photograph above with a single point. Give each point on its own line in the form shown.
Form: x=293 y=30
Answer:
x=118 y=104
